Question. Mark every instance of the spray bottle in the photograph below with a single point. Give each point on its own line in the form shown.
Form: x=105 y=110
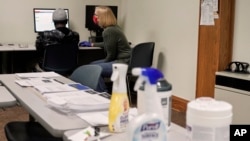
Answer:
x=164 y=91
x=119 y=104
x=149 y=126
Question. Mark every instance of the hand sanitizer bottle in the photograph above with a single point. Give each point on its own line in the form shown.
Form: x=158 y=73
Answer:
x=148 y=126
x=164 y=91
x=119 y=104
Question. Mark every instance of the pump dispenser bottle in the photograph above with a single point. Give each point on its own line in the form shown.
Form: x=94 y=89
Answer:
x=119 y=104
x=148 y=126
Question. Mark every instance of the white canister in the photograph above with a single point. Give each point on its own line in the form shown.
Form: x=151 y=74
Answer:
x=208 y=120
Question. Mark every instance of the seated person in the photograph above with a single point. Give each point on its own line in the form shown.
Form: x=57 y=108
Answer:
x=115 y=43
x=60 y=34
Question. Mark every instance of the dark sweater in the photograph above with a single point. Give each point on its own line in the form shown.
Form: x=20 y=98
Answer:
x=115 y=44
x=59 y=35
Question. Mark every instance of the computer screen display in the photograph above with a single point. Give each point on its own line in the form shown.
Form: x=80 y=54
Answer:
x=43 y=19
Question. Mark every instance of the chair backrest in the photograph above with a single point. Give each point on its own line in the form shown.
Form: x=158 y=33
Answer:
x=61 y=58
x=87 y=75
x=142 y=55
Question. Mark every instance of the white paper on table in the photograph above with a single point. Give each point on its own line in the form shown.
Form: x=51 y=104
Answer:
x=83 y=134
x=95 y=118
x=54 y=88
x=101 y=117
x=23 y=83
x=79 y=101
x=37 y=74
x=37 y=82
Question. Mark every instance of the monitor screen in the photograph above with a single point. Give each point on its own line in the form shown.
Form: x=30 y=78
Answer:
x=43 y=19
x=90 y=10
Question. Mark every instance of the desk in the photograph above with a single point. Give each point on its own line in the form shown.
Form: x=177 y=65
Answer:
x=53 y=121
x=30 y=47
x=61 y=125
x=176 y=133
x=6 y=99
x=17 y=57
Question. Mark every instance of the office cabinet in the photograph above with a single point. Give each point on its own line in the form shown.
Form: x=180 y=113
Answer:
x=235 y=89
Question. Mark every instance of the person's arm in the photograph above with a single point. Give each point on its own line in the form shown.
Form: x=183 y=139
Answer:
x=98 y=44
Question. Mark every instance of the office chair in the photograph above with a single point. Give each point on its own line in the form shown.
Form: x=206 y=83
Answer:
x=27 y=131
x=141 y=56
x=32 y=131
x=87 y=75
x=61 y=58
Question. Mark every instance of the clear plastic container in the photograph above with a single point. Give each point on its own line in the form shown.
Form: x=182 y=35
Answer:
x=208 y=120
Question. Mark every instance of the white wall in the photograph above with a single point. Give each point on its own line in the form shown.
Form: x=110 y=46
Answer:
x=16 y=17
x=241 y=50
x=172 y=24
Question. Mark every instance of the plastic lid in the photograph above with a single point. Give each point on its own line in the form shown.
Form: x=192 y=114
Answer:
x=162 y=85
x=209 y=107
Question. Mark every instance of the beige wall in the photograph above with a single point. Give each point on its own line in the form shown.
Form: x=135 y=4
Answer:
x=241 y=44
x=16 y=17
x=172 y=24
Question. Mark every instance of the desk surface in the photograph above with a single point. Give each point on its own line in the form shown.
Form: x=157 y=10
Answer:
x=6 y=99
x=58 y=124
x=29 y=47
x=175 y=133
x=55 y=122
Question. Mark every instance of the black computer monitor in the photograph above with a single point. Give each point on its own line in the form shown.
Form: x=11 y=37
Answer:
x=43 y=19
x=89 y=24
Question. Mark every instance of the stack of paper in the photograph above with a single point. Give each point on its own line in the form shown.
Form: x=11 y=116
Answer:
x=45 y=85
x=37 y=74
x=37 y=82
x=77 y=101
x=54 y=88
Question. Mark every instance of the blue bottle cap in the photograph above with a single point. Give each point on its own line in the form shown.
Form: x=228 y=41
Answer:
x=152 y=74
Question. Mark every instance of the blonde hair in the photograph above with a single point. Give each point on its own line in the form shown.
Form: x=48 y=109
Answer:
x=106 y=16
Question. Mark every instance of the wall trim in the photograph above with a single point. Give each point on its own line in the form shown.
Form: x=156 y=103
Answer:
x=179 y=104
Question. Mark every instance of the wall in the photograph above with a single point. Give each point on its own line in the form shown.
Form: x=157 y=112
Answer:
x=16 y=17
x=173 y=25
x=241 y=43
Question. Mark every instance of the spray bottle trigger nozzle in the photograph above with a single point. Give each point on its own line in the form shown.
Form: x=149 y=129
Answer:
x=136 y=71
x=114 y=75
x=138 y=83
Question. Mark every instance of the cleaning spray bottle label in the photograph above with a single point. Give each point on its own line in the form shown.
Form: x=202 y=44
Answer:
x=118 y=113
x=151 y=130
x=119 y=104
x=149 y=126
